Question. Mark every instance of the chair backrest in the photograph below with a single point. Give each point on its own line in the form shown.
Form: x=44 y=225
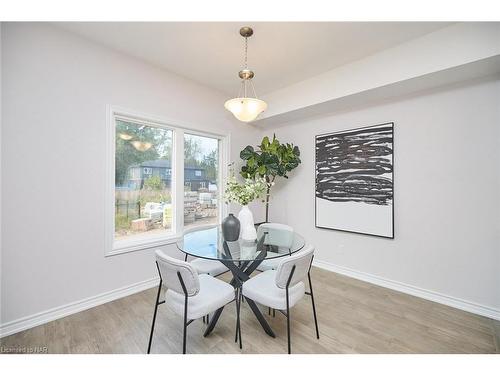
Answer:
x=277 y=234
x=301 y=260
x=169 y=267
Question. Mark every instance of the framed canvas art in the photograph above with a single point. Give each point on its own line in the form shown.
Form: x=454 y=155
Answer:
x=354 y=180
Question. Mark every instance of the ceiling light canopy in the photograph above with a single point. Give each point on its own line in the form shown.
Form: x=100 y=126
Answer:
x=244 y=107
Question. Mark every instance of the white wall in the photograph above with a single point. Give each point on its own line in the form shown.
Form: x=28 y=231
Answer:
x=447 y=194
x=55 y=90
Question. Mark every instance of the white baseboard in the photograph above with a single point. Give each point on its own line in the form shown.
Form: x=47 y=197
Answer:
x=458 y=303
x=34 y=320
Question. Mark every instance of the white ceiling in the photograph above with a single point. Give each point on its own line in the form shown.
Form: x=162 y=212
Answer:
x=280 y=53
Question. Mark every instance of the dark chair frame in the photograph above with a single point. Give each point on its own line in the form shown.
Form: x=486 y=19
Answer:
x=186 y=323
x=287 y=313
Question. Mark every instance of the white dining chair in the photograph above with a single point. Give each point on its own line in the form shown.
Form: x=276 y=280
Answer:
x=279 y=235
x=188 y=294
x=282 y=288
x=209 y=267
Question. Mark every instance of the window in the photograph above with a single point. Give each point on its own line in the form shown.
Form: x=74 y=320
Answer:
x=201 y=206
x=143 y=204
x=148 y=206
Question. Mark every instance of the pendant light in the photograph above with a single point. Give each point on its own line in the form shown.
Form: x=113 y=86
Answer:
x=246 y=108
x=141 y=146
x=125 y=136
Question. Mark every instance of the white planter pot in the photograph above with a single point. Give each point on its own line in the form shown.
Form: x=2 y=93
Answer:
x=247 y=231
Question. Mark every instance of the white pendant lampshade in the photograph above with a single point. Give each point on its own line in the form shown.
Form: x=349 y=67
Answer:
x=246 y=109
x=141 y=146
x=125 y=136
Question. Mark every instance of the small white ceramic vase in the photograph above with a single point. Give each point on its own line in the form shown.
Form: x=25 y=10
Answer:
x=247 y=227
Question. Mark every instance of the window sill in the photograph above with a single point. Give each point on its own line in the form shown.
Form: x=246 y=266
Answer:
x=130 y=246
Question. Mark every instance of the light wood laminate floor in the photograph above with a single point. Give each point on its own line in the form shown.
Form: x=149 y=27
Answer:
x=354 y=317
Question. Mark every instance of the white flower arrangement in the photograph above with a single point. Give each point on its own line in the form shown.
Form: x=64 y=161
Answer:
x=246 y=192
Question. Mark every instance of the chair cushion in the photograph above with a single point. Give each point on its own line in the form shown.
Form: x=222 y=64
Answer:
x=213 y=294
x=169 y=267
x=301 y=260
x=269 y=264
x=211 y=267
x=263 y=289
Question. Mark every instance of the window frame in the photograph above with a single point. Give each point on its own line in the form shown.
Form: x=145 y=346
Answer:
x=178 y=129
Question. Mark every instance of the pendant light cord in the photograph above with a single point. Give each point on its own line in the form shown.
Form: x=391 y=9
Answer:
x=246 y=53
x=245 y=64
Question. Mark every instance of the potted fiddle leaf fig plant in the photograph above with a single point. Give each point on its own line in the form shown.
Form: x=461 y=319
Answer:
x=271 y=159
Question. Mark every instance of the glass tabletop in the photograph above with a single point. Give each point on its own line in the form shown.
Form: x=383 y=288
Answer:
x=208 y=243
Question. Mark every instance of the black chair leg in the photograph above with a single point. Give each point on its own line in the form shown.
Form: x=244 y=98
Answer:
x=236 y=301
x=288 y=310
x=154 y=317
x=238 y=307
x=269 y=312
x=185 y=312
x=288 y=327
x=184 y=334
x=203 y=318
x=313 y=305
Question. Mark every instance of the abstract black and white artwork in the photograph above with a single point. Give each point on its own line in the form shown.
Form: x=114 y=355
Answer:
x=354 y=180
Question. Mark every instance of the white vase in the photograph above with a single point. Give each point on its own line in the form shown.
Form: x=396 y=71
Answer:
x=247 y=231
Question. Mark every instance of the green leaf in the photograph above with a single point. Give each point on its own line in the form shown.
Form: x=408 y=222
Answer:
x=272 y=169
x=281 y=170
x=247 y=153
x=276 y=143
x=265 y=143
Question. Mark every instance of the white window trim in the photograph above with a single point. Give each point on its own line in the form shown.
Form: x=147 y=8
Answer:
x=113 y=247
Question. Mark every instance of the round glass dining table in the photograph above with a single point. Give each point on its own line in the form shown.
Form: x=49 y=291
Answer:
x=240 y=257
x=208 y=243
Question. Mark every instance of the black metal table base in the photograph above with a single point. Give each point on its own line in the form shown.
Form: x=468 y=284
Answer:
x=241 y=273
